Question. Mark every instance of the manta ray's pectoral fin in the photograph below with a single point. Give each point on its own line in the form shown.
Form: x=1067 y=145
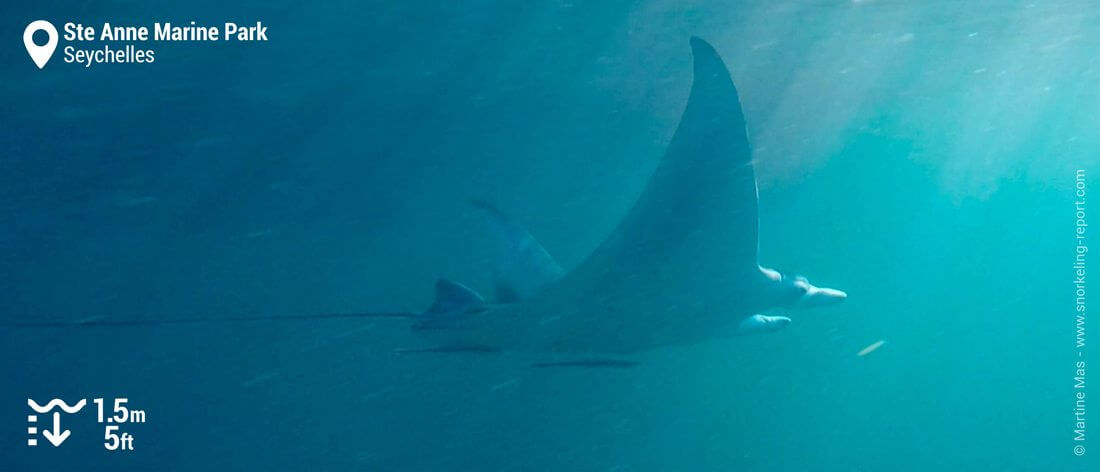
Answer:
x=695 y=224
x=522 y=267
x=592 y=363
x=449 y=349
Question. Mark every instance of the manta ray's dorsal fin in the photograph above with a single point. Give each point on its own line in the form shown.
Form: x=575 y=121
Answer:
x=452 y=297
x=522 y=267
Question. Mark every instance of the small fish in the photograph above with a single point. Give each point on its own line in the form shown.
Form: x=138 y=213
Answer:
x=871 y=348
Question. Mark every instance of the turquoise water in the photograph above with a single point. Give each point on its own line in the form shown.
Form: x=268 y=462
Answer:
x=921 y=156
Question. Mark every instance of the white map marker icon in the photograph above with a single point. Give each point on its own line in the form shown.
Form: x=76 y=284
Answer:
x=40 y=54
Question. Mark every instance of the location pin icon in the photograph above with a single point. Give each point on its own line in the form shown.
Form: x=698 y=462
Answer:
x=40 y=54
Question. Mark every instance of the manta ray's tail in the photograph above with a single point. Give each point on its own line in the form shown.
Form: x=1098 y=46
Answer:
x=451 y=298
x=101 y=321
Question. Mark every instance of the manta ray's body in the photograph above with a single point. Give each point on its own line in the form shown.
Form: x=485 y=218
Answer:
x=680 y=268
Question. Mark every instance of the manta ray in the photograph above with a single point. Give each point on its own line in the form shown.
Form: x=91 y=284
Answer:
x=680 y=268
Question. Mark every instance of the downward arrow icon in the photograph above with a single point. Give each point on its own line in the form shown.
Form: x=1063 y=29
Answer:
x=57 y=436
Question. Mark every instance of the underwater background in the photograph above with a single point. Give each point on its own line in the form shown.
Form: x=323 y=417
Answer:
x=919 y=155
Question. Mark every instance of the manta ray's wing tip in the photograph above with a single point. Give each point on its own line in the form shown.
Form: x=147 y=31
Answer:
x=706 y=57
x=697 y=42
x=700 y=47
